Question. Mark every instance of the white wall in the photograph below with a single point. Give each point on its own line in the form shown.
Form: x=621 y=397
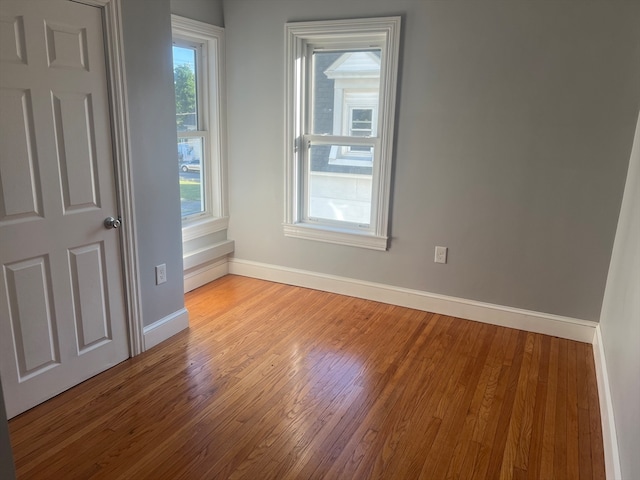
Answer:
x=620 y=321
x=149 y=69
x=515 y=124
x=207 y=11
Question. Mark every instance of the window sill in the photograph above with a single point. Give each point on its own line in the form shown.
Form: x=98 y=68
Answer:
x=338 y=236
x=204 y=227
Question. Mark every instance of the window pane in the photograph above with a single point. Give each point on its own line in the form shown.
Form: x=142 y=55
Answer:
x=345 y=92
x=192 y=198
x=339 y=192
x=361 y=121
x=184 y=78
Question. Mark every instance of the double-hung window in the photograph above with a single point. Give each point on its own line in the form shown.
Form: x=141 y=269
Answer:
x=197 y=67
x=341 y=91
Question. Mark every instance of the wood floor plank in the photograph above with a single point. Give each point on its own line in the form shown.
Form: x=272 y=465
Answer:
x=388 y=415
x=279 y=382
x=573 y=463
x=493 y=367
x=386 y=400
x=510 y=449
x=261 y=471
x=595 y=425
x=398 y=423
x=464 y=445
x=549 y=425
x=453 y=422
x=498 y=442
x=584 y=424
x=560 y=440
x=492 y=450
x=534 y=463
x=526 y=424
x=410 y=461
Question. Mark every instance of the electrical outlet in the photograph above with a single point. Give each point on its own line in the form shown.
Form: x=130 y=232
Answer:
x=441 y=255
x=161 y=274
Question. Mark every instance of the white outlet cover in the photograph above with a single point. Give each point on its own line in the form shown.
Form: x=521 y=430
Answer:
x=440 y=255
x=161 y=274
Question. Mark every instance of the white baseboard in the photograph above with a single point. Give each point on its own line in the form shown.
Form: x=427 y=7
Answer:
x=609 y=438
x=554 y=325
x=167 y=327
x=206 y=274
x=201 y=256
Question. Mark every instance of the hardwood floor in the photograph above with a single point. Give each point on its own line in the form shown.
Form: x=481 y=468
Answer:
x=274 y=381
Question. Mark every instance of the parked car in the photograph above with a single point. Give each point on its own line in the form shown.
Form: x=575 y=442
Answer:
x=190 y=166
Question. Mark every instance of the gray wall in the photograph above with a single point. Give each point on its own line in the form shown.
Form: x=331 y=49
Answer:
x=620 y=321
x=148 y=61
x=7 y=470
x=207 y=11
x=515 y=125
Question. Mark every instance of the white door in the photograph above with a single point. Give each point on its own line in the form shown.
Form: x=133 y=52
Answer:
x=62 y=310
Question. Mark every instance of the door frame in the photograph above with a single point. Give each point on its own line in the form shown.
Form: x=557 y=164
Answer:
x=118 y=105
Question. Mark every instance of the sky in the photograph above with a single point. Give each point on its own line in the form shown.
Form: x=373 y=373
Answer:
x=183 y=56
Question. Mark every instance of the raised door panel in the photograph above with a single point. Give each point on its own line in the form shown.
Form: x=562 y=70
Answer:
x=89 y=292
x=33 y=321
x=74 y=130
x=12 y=43
x=20 y=196
x=67 y=46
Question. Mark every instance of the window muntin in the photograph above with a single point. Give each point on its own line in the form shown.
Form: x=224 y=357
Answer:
x=198 y=50
x=341 y=97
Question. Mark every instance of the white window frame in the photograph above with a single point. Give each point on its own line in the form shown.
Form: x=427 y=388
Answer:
x=211 y=98
x=302 y=39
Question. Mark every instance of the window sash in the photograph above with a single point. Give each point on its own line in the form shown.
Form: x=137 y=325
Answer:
x=345 y=143
x=348 y=143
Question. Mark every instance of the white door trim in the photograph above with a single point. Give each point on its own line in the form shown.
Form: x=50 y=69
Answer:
x=112 y=15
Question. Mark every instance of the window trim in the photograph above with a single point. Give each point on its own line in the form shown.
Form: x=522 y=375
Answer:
x=212 y=104
x=358 y=33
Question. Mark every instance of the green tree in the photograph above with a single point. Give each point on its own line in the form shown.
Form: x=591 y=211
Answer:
x=185 y=86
